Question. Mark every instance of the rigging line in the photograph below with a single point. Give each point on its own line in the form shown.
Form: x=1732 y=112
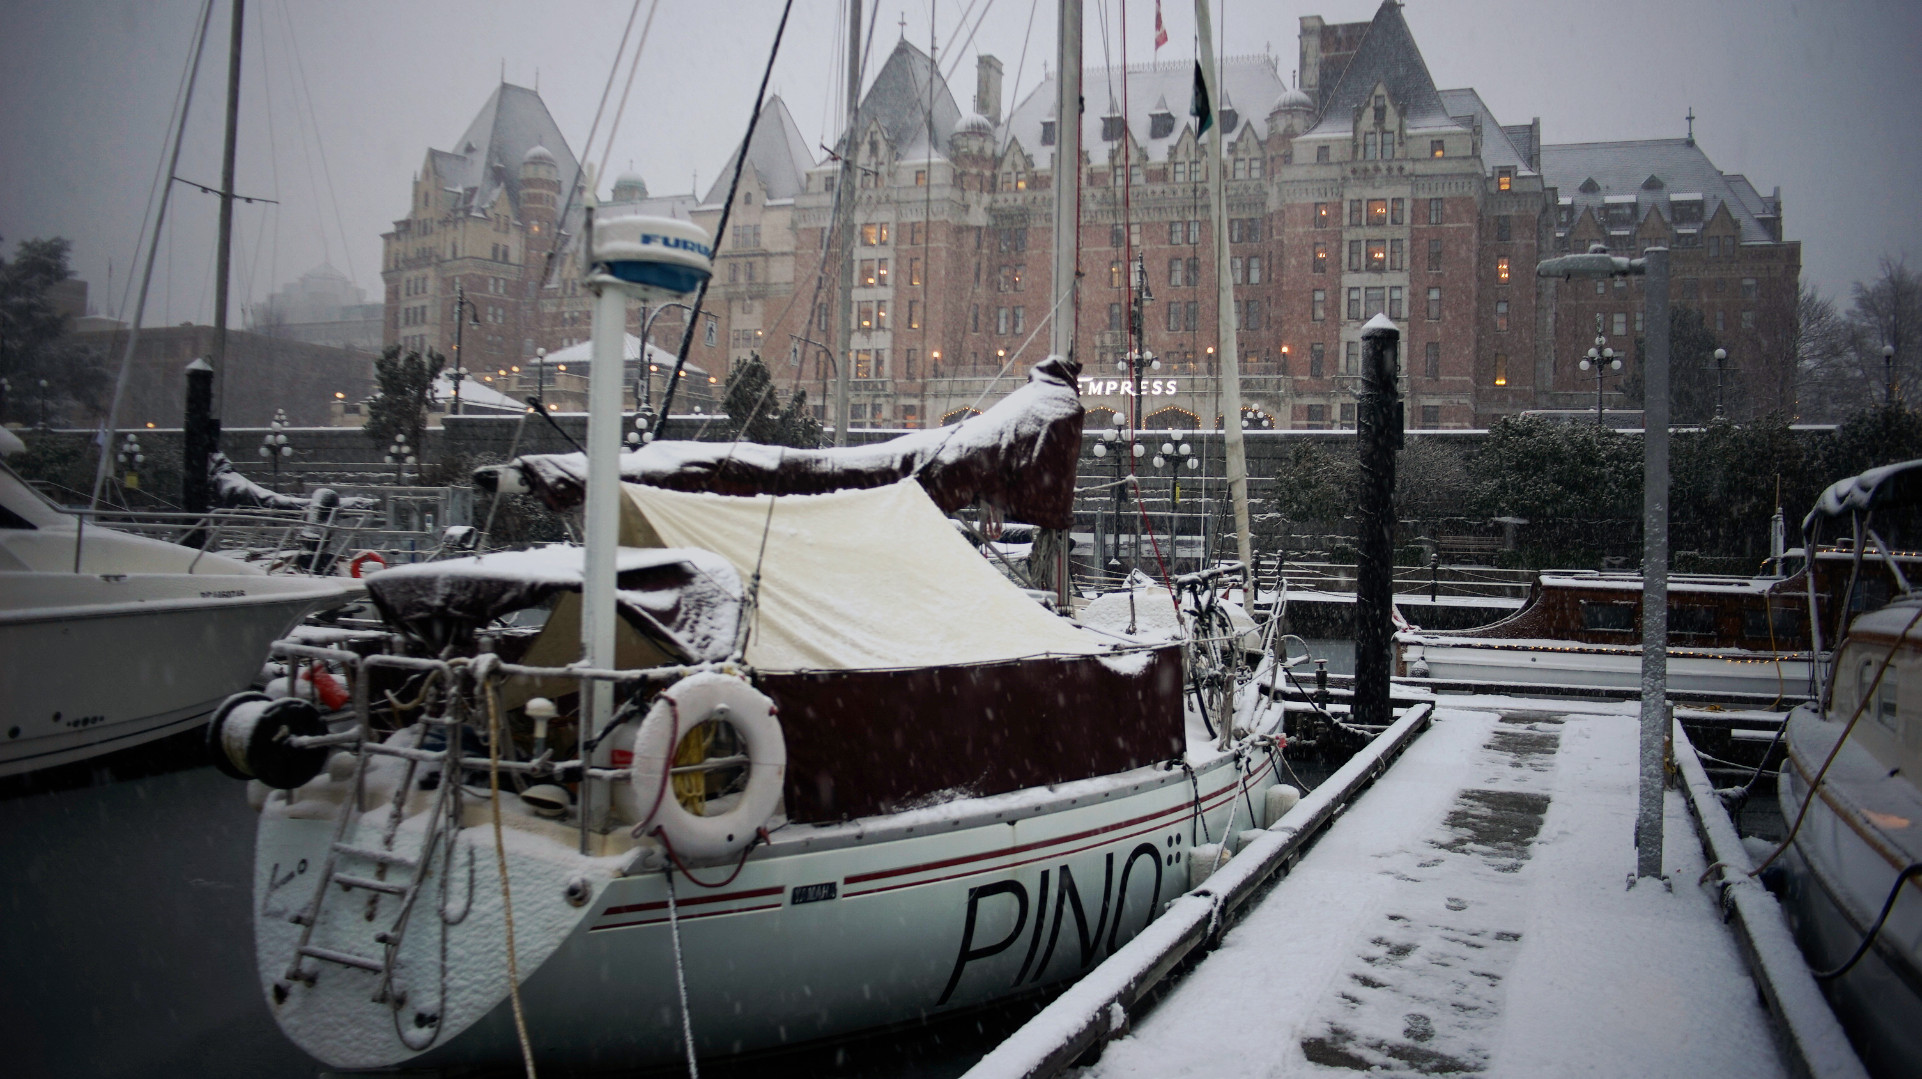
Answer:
x=146 y=277
x=957 y=54
x=1022 y=64
x=326 y=171
x=567 y=204
x=273 y=146
x=627 y=91
x=720 y=230
x=300 y=137
x=147 y=219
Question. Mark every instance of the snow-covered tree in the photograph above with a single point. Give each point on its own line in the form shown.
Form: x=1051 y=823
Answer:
x=404 y=388
x=34 y=344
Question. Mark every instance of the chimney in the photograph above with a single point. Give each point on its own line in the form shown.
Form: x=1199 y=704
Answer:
x=987 y=88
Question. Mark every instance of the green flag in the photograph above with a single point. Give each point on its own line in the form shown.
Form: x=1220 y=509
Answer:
x=1202 y=107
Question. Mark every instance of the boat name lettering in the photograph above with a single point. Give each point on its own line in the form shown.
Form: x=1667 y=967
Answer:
x=677 y=243
x=1108 y=387
x=1108 y=917
x=814 y=893
x=224 y=593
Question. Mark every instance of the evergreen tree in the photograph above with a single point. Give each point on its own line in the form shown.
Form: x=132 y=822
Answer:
x=34 y=343
x=755 y=414
x=404 y=389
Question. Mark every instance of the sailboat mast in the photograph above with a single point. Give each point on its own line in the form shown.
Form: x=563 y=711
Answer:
x=1225 y=306
x=224 y=254
x=844 y=197
x=1067 y=220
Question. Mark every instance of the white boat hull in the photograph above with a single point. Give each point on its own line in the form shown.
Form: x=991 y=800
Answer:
x=95 y=663
x=1555 y=664
x=827 y=931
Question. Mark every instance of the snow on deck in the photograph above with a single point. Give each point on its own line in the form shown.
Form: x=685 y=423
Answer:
x=1470 y=914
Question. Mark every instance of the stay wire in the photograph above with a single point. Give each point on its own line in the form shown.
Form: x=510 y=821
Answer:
x=627 y=91
x=720 y=231
x=587 y=146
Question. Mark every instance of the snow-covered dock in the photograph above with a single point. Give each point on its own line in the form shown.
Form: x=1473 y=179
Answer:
x=1472 y=914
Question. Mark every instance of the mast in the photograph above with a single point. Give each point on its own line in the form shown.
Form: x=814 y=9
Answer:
x=224 y=252
x=1067 y=223
x=1225 y=307
x=844 y=198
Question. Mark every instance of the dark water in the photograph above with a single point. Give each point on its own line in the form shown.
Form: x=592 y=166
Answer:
x=127 y=947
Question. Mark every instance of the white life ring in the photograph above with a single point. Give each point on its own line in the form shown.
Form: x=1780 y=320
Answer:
x=679 y=709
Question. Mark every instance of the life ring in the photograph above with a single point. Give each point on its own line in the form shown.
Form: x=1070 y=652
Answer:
x=361 y=559
x=679 y=709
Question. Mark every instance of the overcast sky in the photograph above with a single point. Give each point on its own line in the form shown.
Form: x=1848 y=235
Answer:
x=341 y=100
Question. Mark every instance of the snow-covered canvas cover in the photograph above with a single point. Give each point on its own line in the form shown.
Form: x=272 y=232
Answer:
x=685 y=601
x=861 y=580
x=1018 y=457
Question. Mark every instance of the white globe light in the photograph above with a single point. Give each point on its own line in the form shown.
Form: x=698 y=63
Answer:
x=1116 y=419
x=1185 y=450
x=1100 y=449
x=1584 y=364
x=286 y=451
x=264 y=451
x=1140 y=449
x=1167 y=447
x=1194 y=463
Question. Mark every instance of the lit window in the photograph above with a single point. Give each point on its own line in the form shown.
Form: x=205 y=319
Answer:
x=1435 y=148
x=1501 y=368
x=1321 y=215
x=1377 y=256
x=1501 y=269
x=1320 y=263
x=1504 y=179
x=1377 y=211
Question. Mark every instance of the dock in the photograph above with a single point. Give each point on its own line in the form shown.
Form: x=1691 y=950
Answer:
x=1474 y=911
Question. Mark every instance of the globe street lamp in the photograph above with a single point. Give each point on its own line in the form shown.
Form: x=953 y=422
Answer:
x=43 y=402
x=1721 y=369
x=1104 y=440
x=131 y=458
x=400 y=455
x=1601 y=359
x=461 y=301
x=1888 y=375
x=1175 y=457
x=274 y=445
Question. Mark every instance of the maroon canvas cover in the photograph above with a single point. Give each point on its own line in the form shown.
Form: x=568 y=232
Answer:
x=862 y=743
x=1018 y=457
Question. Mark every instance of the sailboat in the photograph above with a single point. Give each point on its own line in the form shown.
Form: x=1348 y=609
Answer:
x=786 y=759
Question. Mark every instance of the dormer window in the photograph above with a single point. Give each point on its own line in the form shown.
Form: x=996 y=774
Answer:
x=1161 y=125
x=1436 y=148
x=1381 y=109
x=1047 y=132
x=1111 y=128
x=1504 y=179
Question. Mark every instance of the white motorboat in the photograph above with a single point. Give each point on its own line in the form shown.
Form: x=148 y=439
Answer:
x=1852 y=789
x=108 y=639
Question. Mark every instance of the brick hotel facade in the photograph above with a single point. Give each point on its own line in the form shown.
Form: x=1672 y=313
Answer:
x=1364 y=190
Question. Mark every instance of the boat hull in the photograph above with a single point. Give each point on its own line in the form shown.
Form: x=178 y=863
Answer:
x=1565 y=664
x=824 y=932
x=1836 y=882
x=94 y=663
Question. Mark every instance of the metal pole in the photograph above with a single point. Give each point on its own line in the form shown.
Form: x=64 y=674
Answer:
x=1230 y=386
x=460 y=323
x=844 y=197
x=1648 y=817
x=602 y=530
x=1067 y=219
x=1377 y=431
x=223 y=254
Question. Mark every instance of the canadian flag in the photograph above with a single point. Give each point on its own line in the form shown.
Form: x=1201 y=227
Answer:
x=1161 y=29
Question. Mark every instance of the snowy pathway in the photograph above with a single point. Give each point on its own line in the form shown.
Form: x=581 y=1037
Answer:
x=1469 y=915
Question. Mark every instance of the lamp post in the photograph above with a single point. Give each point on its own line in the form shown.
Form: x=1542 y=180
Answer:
x=1601 y=359
x=1597 y=263
x=43 y=402
x=400 y=455
x=644 y=393
x=1888 y=376
x=1175 y=457
x=460 y=370
x=1721 y=369
x=1106 y=439
x=273 y=445
x=6 y=395
x=131 y=457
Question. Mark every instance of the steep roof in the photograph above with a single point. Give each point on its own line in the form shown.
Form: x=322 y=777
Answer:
x=486 y=159
x=1468 y=109
x=1621 y=170
x=779 y=156
x=1248 y=83
x=899 y=101
x=1388 y=57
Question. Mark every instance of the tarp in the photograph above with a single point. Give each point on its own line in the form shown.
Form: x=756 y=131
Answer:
x=862 y=579
x=1018 y=457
